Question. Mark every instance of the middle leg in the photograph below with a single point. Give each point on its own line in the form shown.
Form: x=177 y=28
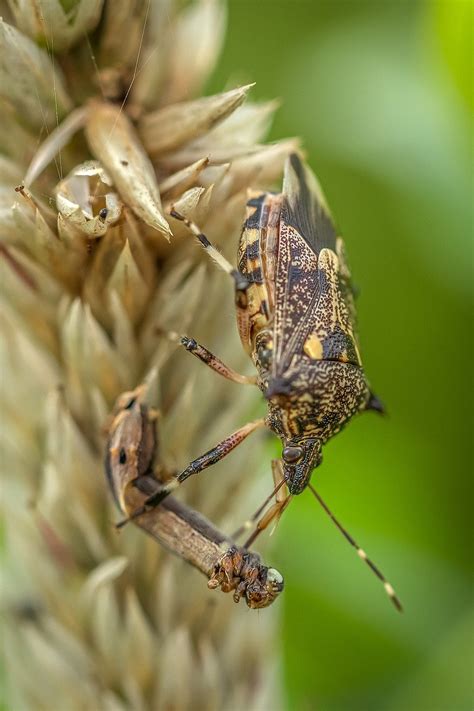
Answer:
x=215 y=363
x=212 y=456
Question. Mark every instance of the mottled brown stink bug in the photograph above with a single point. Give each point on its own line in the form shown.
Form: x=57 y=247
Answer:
x=134 y=474
x=296 y=319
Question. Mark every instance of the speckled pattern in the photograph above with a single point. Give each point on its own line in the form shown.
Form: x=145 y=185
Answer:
x=301 y=327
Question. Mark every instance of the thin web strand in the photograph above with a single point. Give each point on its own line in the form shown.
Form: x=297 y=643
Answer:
x=95 y=65
x=134 y=75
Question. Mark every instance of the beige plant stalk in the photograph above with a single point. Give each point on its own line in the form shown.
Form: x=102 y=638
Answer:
x=102 y=130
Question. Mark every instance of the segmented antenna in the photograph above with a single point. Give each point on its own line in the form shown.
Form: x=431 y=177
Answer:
x=360 y=552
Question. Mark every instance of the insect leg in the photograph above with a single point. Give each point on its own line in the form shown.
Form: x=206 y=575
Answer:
x=282 y=499
x=220 y=450
x=249 y=522
x=212 y=456
x=240 y=281
x=211 y=360
x=149 y=485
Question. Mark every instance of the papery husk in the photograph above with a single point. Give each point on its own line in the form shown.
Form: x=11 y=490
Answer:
x=94 y=618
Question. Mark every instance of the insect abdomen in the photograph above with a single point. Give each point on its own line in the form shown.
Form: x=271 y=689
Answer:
x=257 y=259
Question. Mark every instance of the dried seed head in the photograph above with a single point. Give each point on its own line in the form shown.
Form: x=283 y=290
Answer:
x=52 y=25
x=26 y=77
x=84 y=296
x=169 y=128
x=194 y=49
x=85 y=198
x=114 y=142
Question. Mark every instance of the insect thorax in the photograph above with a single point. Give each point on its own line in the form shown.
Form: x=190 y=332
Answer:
x=316 y=400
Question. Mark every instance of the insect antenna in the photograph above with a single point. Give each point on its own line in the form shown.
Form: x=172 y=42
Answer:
x=360 y=552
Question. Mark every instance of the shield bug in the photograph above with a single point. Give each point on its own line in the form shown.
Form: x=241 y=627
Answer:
x=296 y=319
x=133 y=475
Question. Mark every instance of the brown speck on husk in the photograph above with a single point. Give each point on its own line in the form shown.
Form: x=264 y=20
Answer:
x=95 y=618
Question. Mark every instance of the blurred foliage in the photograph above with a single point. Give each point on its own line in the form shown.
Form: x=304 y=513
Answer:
x=380 y=91
x=453 y=33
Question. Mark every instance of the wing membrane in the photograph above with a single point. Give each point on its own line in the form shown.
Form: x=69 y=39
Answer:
x=308 y=296
x=305 y=206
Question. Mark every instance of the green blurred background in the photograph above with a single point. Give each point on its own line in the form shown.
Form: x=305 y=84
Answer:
x=380 y=93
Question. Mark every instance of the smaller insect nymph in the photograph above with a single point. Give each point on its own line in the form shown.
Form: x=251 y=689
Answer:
x=134 y=473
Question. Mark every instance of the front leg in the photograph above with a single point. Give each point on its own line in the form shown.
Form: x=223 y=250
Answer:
x=282 y=499
x=212 y=456
x=211 y=360
x=241 y=283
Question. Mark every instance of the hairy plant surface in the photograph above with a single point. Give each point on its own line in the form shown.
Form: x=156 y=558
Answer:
x=103 y=127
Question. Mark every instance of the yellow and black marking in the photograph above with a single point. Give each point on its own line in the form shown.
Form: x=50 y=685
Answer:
x=256 y=259
x=313 y=347
x=297 y=320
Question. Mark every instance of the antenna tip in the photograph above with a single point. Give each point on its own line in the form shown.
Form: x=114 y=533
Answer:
x=393 y=596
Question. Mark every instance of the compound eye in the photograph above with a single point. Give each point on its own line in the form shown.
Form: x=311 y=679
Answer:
x=292 y=454
x=264 y=356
